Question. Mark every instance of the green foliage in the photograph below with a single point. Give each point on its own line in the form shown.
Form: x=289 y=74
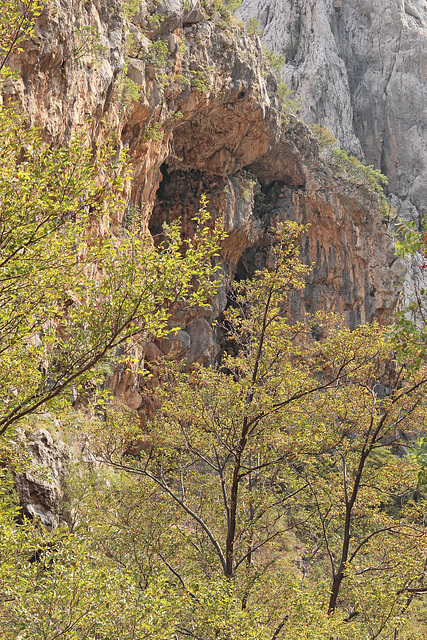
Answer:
x=158 y=54
x=154 y=21
x=88 y=585
x=411 y=330
x=130 y=8
x=421 y=458
x=54 y=584
x=126 y=90
x=72 y=287
x=285 y=439
x=225 y=8
x=154 y=132
x=176 y=116
x=264 y=500
x=351 y=168
x=16 y=26
x=360 y=174
x=198 y=80
x=252 y=27
x=88 y=43
x=325 y=138
x=275 y=60
x=290 y=104
x=131 y=91
x=411 y=239
x=232 y=5
x=247 y=183
x=289 y=101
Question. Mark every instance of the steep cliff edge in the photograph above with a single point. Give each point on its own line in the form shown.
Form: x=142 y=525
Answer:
x=359 y=68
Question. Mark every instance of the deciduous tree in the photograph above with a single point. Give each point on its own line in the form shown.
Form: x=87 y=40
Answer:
x=297 y=434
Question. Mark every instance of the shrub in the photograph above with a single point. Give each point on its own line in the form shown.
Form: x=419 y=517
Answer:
x=359 y=173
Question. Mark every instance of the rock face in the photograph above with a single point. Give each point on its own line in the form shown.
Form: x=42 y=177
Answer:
x=353 y=256
x=198 y=113
x=67 y=69
x=360 y=68
x=40 y=488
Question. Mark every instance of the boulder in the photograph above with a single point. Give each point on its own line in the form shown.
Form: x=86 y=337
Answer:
x=176 y=344
x=203 y=348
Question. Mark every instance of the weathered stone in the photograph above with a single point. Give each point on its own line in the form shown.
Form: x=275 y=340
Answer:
x=359 y=68
x=127 y=390
x=152 y=353
x=176 y=344
x=62 y=83
x=173 y=43
x=170 y=12
x=136 y=71
x=219 y=131
x=193 y=14
x=40 y=487
x=230 y=121
x=203 y=348
x=147 y=410
x=138 y=18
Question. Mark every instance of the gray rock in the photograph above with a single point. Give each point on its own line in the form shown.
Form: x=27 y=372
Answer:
x=303 y=32
x=229 y=121
x=242 y=227
x=127 y=390
x=152 y=353
x=176 y=344
x=171 y=15
x=177 y=13
x=193 y=14
x=139 y=17
x=136 y=71
x=173 y=43
x=411 y=10
x=203 y=348
x=361 y=72
x=39 y=488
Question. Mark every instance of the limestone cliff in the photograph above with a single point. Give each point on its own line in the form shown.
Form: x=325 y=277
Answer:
x=359 y=67
x=189 y=94
x=198 y=112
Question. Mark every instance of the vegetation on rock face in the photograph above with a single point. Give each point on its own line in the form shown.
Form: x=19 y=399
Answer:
x=346 y=165
x=266 y=502
x=74 y=286
x=290 y=103
x=274 y=497
x=358 y=173
x=16 y=25
x=412 y=320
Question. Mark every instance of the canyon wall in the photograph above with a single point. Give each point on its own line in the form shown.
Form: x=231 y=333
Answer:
x=360 y=68
x=190 y=95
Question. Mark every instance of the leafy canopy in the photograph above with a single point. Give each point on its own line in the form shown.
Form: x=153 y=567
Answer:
x=291 y=442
